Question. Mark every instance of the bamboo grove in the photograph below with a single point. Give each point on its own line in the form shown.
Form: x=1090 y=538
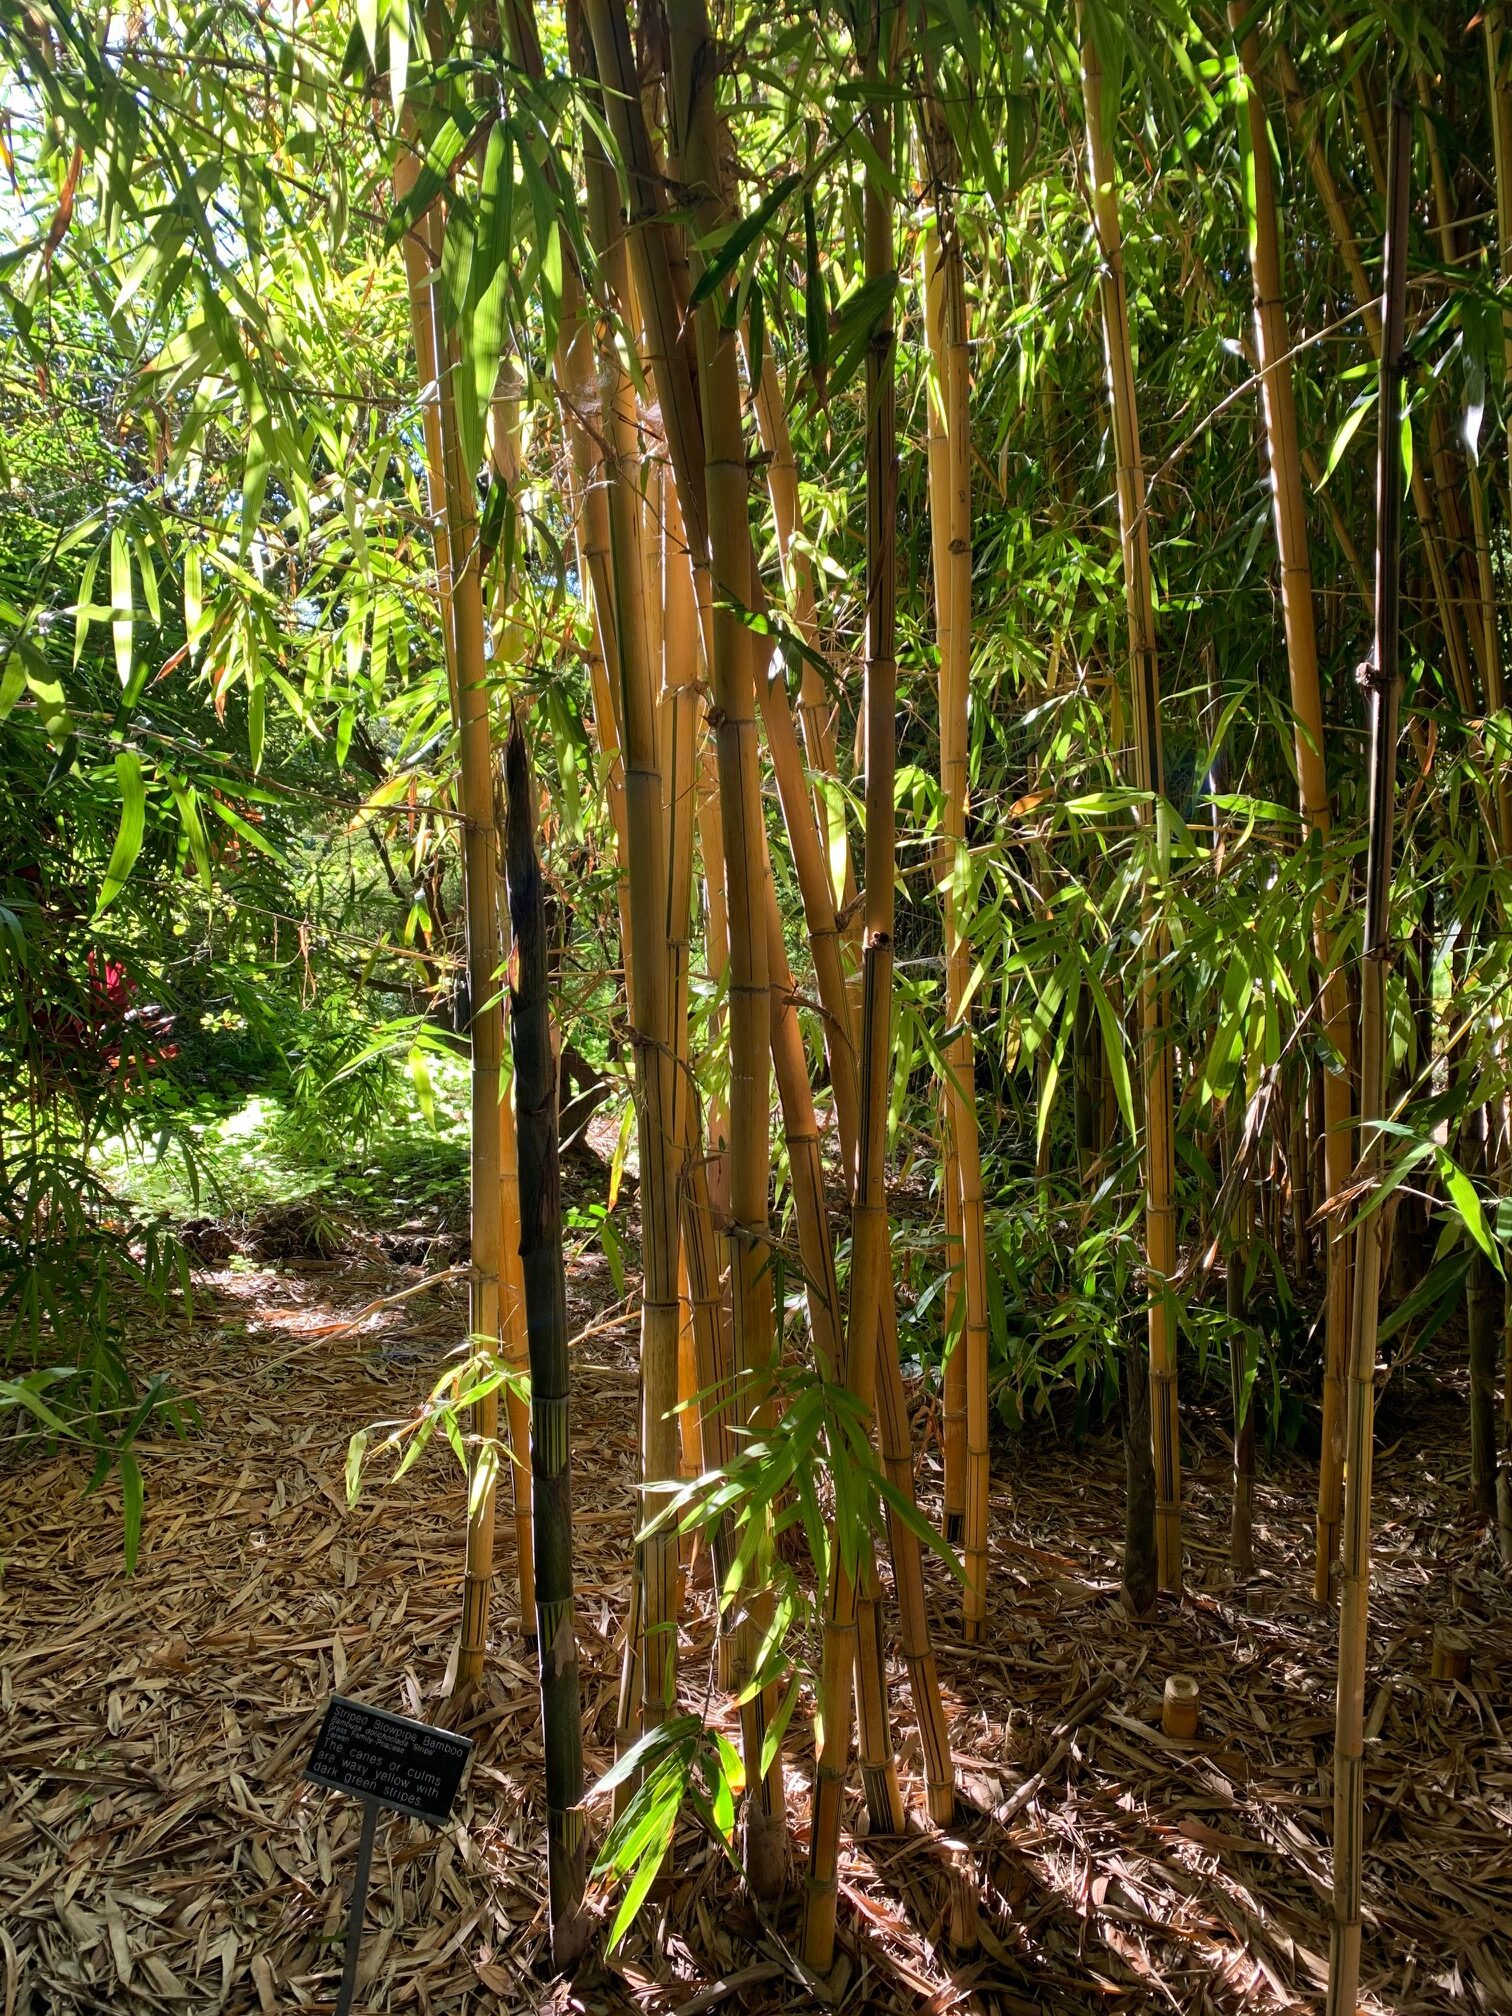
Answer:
x=985 y=534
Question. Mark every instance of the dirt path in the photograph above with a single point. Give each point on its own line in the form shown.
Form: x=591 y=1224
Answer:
x=158 y=1850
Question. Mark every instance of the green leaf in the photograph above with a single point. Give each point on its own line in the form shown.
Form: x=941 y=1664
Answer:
x=1347 y=431
x=133 y=1497
x=195 y=621
x=1466 y=1200
x=815 y=303
x=255 y=468
x=756 y=336
x=652 y=1857
x=435 y=167
x=399 y=48
x=741 y=237
x=247 y=831
x=121 y=605
x=128 y=842
x=1113 y=1051
x=356 y=1450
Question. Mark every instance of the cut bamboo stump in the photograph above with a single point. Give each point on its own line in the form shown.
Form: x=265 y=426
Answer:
x=1180 y=1709
x=1451 y=1653
x=961 y=1931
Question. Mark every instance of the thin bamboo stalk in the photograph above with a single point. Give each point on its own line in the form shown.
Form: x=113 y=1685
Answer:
x=938 y=458
x=422 y=253
x=736 y=754
x=680 y=731
x=1278 y=405
x=1382 y=700
x=1499 y=80
x=716 y=961
x=421 y=259
x=651 y=1640
x=509 y=650
x=870 y=1264
x=953 y=1378
x=826 y=945
x=545 y=1287
x=816 y=710
x=1155 y=1047
x=950 y=517
x=486 y=1028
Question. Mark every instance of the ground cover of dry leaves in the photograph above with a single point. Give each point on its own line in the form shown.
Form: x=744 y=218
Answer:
x=159 y=1852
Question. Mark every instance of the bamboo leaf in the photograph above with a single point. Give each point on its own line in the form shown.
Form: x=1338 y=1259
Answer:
x=1113 y=1052
x=122 y=609
x=739 y=239
x=1349 y=427
x=1466 y=1200
x=133 y=823
x=133 y=1498
x=356 y=1450
x=815 y=303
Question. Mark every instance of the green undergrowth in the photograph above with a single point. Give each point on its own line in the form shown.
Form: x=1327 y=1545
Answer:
x=402 y=1168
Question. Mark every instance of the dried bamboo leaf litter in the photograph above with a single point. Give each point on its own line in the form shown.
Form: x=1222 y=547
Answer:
x=158 y=1850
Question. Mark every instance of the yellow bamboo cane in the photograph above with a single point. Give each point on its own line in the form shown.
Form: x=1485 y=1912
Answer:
x=422 y=246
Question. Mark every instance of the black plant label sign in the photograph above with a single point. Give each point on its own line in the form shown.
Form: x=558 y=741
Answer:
x=372 y=1754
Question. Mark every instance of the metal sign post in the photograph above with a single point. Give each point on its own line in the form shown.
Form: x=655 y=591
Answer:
x=357 y=1905
x=383 y=1760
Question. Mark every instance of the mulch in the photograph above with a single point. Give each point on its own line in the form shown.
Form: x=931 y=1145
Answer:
x=159 y=1850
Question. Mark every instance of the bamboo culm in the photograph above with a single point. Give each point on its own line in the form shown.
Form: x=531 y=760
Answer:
x=1383 y=694
x=1154 y=1007
x=871 y=1266
x=545 y=1281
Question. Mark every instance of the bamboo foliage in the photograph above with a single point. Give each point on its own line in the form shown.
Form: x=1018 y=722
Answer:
x=1155 y=1047
x=1382 y=697
x=1332 y=196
